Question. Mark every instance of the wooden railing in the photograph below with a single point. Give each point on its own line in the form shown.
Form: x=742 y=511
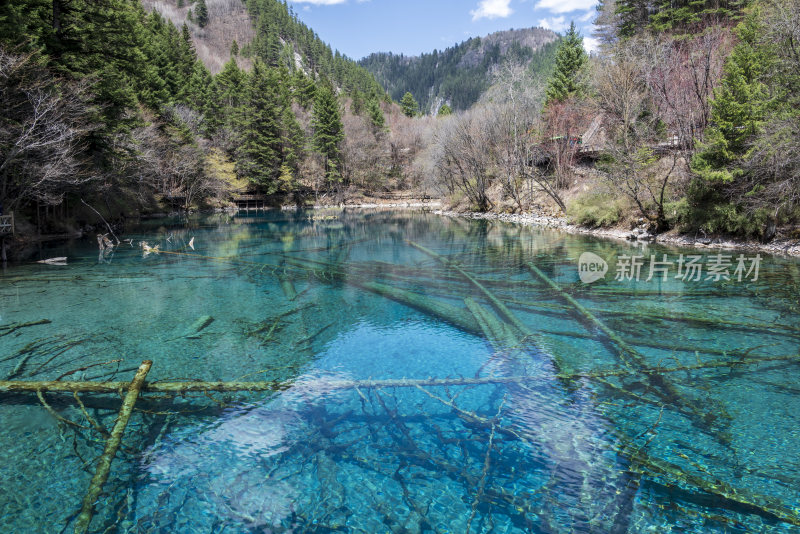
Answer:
x=7 y=224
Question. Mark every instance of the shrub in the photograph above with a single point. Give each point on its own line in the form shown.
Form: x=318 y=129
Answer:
x=596 y=209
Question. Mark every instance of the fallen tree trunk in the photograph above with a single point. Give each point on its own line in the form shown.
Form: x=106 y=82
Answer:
x=112 y=445
x=13 y=386
x=764 y=505
x=629 y=355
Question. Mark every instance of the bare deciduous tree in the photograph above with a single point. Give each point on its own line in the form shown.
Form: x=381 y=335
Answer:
x=632 y=164
x=681 y=76
x=43 y=130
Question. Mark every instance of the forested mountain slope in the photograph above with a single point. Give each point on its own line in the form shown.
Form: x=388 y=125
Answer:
x=266 y=29
x=460 y=74
x=108 y=101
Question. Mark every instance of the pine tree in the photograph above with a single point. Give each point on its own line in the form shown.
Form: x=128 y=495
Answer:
x=201 y=13
x=106 y=40
x=741 y=106
x=328 y=131
x=225 y=97
x=376 y=116
x=688 y=14
x=570 y=59
x=258 y=156
x=633 y=16
x=444 y=111
x=409 y=105
x=738 y=110
x=303 y=88
x=357 y=106
x=234 y=48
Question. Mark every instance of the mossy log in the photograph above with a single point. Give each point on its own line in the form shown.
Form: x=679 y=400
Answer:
x=112 y=445
x=288 y=288
x=179 y=387
x=497 y=332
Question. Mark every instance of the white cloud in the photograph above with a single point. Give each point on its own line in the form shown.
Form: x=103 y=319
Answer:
x=557 y=24
x=492 y=9
x=589 y=15
x=590 y=44
x=565 y=6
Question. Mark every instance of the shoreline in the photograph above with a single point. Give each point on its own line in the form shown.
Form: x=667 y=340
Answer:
x=785 y=247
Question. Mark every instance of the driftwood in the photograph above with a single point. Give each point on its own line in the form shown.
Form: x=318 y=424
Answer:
x=102 y=219
x=112 y=445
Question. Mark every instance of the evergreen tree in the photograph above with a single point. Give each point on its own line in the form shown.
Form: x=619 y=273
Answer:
x=570 y=59
x=304 y=89
x=738 y=110
x=259 y=154
x=740 y=107
x=633 y=15
x=234 y=48
x=328 y=131
x=201 y=13
x=409 y=105
x=376 y=116
x=684 y=15
x=357 y=107
x=225 y=97
x=444 y=111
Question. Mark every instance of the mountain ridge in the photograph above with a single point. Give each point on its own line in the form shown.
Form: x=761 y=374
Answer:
x=460 y=74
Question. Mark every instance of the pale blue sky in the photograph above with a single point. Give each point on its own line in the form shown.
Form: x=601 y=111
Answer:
x=360 y=27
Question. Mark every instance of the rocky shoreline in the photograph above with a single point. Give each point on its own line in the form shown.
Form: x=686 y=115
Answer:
x=788 y=247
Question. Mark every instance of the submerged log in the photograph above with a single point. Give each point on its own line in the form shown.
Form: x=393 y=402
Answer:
x=193 y=332
x=179 y=387
x=288 y=288
x=726 y=494
x=441 y=310
x=629 y=355
x=7 y=329
x=497 y=332
x=499 y=306
x=112 y=445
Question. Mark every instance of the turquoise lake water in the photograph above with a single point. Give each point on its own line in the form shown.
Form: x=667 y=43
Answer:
x=668 y=405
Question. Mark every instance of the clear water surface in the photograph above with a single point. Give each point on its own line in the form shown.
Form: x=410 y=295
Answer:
x=655 y=416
